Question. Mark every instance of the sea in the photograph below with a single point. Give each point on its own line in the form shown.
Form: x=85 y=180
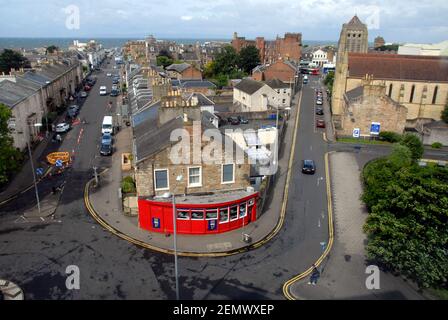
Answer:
x=64 y=43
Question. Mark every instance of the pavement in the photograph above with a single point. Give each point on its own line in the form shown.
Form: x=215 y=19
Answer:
x=343 y=273
x=106 y=208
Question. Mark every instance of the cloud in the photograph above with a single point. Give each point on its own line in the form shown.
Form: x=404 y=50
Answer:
x=186 y=18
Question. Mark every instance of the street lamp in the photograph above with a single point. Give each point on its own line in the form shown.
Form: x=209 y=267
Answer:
x=168 y=195
x=36 y=125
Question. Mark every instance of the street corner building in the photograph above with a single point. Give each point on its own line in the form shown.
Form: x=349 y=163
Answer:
x=210 y=198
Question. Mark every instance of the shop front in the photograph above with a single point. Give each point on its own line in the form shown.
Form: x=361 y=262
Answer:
x=198 y=217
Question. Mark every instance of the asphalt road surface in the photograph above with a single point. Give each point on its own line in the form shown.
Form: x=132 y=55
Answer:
x=36 y=255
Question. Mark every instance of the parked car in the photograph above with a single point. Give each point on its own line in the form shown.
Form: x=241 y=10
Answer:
x=308 y=167
x=106 y=149
x=233 y=120
x=84 y=94
x=320 y=123
x=106 y=138
x=62 y=127
x=87 y=87
x=114 y=93
x=221 y=121
x=115 y=81
x=243 y=120
x=109 y=74
x=320 y=111
x=319 y=102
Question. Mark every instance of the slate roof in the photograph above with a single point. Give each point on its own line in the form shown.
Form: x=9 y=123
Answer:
x=249 y=86
x=355 y=93
x=178 y=67
x=277 y=84
x=398 y=67
x=12 y=93
x=197 y=84
x=202 y=99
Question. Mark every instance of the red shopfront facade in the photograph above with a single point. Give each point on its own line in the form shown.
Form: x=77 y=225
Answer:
x=210 y=218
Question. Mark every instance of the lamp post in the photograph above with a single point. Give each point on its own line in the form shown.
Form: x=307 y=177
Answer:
x=176 y=268
x=37 y=125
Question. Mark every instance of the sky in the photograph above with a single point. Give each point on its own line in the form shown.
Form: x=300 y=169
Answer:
x=423 y=21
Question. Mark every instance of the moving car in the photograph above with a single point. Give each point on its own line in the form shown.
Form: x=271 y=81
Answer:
x=109 y=74
x=62 y=127
x=308 y=167
x=103 y=91
x=320 y=123
x=320 y=111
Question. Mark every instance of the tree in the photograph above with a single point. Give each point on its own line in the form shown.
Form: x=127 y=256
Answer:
x=164 y=61
x=10 y=158
x=407 y=227
x=445 y=114
x=209 y=70
x=165 y=53
x=226 y=61
x=51 y=49
x=249 y=58
x=329 y=80
x=414 y=144
x=10 y=59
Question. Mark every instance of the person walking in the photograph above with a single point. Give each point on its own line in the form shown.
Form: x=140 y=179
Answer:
x=58 y=138
x=315 y=274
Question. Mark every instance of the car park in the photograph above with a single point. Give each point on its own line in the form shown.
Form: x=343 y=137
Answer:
x=320 y=123
x=320 y=111
x=308 y=167
x=62 y=127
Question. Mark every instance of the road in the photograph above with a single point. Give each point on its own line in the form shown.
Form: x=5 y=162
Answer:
x=36 y=255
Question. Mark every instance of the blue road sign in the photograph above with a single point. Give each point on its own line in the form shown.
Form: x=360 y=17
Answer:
x=39 y=171
x=59 y=163
x=375 y=128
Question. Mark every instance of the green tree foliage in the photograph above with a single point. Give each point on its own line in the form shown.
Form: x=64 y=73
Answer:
x=164 y=61
x=390 y=136
x=445 y=114
x=414 y=144
x=51 y=49
x=408 y=223
x=329 y=80
x=128 y=185
x=10 y=158
x=10 y=59
x=249 y=58
x=226 y=61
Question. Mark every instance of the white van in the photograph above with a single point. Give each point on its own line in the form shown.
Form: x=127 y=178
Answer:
x=305 y=79
x=103 y=91
x=107 y=126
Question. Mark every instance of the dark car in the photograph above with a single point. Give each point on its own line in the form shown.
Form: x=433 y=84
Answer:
x=114 y=93
x=243 y=120
x=233 y=121
x=320 y=111
x=115 y=81
x=106 y=149
x=308 y=167
x=87 y=88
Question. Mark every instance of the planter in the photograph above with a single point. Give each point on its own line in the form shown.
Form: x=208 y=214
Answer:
x=126 y=162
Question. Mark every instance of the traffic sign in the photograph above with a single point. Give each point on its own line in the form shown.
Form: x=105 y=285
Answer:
x=39 y=171
x=356 y=133
x=59 y=163
x=375 y=128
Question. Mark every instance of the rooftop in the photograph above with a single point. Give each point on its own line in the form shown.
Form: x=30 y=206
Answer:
x=249 y=86
x=208 y=198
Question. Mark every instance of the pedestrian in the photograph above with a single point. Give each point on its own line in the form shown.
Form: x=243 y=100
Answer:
x=58 y=138
x=315 y=274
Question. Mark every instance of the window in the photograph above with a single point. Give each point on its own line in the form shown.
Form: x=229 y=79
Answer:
x=390 y=90
x=161 y=179
x=243 y=210
x=195 y=177
x=233 y=213
x=434 y=97
x=224 y=215
x=284 y=101
x=183 y=214
x=411 y=98
x=197 y=215
x=228 y=173
x=211 y=214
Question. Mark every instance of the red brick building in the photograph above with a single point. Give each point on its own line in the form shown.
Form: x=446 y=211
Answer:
x=287 y=48
x=281 y=69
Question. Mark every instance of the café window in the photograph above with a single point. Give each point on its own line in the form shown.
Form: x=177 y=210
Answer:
x=228 y=173
x=224 y=215
x=211 y=214
x=243 y=210
x=195 y=177
x=161 y=179
x=233 y=213
x=197 y=215
x=183 y=215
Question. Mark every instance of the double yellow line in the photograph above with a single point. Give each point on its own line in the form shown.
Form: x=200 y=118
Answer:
x=287 y=286
x=253 y=246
